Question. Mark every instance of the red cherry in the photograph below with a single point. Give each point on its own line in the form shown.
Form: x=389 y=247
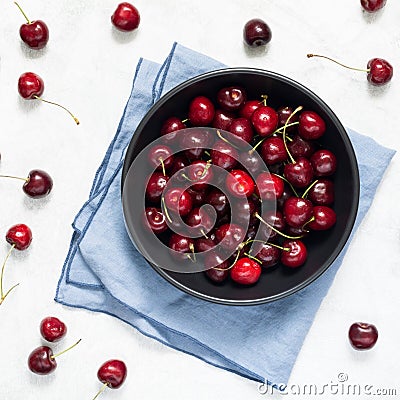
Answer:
x=297 y=211
x=296 y=255
x=182 y=247
x=34 y=33
x=284 y=113
x=155 y=220
x=52 y=329
x=112 y=373
x=177 y=201
x=363 y=336
x=222 y=119
x=248 y=108
x=380 y=71
x=322 y=193
x=160 y=156
x=273 y=150
x=372 y=5
x=239 y=183
x=155 y=186
x=20 y=236
x=246 y=271
x=268 y=254
x=265 y=120
x=41 y=361
x=269 y=186
x=323 y=162
x=39 y=184
x=229 y=236
x=256 y=33
x=126 y=17
x=219 y=271
x=300 y=147
x=242 y=128
x=324 y=218
x=231 y=98
x=170 y=128
x=200 y=173
x=30 y=85
x=299 y=173
x=224 y=155
x=311 y=125
x=201 y=111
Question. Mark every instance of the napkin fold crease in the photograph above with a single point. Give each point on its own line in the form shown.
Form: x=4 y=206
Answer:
x=104 y=272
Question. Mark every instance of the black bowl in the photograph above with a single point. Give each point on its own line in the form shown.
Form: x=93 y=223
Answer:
x=324 y=247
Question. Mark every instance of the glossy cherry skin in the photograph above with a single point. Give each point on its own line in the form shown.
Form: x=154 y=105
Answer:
x=52 y=329
x=242 y=128
x=296 y=255
x=362 y=335
x=222 y=119
x=219 y=201
x=201 y=111
x=274 y=219
x=198 y=196
x=265 y=120
x=199 y=219
x=195 y=142
x=323 y=162
x=324 y=218
x=244 y=211
x=284 y=113
x=181 y=244
x=297 y=211
x=256 y=33
x=39 y=184
x=179 y=162
x=112 y=372
x=311 y=125
x=19 y=235
x=246 y=271
x=229 y=236
x=126 y=17
x=239 y=183
x=155 y=186
x=251 y=161
x=372 y=5
x=40 y=361
x=273 y=150
x=268 y=254
x=178 y=201
x=269 y=186
x=160 y=154
x=30 y=85
x=155 y=220
x=300 y=147
x=200 y=173
x=224 y=155
x=231 y=98
x=248 y=108
x=380 y=71
x=322 y=193
x=219 y=271
x=299 y=173
x=170 y=129
x=203 y=244
x=35 y=34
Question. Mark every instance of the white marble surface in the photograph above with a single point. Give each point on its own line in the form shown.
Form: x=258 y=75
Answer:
x=88 y=66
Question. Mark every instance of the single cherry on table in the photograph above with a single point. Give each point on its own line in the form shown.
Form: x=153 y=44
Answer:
x=112 y=374
x=372 y=6
x=256 y=33
x=362 y=335
x=126 y=17
x=52 y=329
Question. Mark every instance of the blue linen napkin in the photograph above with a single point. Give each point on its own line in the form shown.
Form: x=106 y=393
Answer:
x=105 y=273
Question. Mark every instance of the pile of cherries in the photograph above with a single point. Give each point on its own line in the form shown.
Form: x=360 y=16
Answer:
x=297 y=179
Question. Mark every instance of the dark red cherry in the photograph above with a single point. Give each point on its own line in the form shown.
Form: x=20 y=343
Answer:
x=41 y=361
x=200 y=174
x=222 y=119
x=178 y=201
x=231 y=98
x=219 y=201
x=256 y=33
x=265 y=120
x=380 y=71
x=170 y=128
x=246 y=271
x=322 y=193
x=199 y=219
x=39 y=184
x=224 y=155
x=251 y=161
x=52 y=329
x=198 y=196
x=323 y=162
x=324 y=218
x=284 y=113
x=248 y=108
x=126 y=17
x=113 y=373
x=195 y=141
x=20 y=236
x=372 y=5
x=273 y=150
x=178 y=163
x=311 y=125
x=274 y=219
x=362 y=335
x=243 y=211
x=268 y=254
x=242 y=128
x=229 y=236
x=219 y=271
x=299 y=173
x=155 y=186
x=239 y=183
x=155 y=220
x=297 y=211
x=296 y=255
x=159 y=155
x=300 y=147
x=182 y=246
x=201 y=111
x=203 y=244
x=269 y=186
x=287 y=192
x=30 y=85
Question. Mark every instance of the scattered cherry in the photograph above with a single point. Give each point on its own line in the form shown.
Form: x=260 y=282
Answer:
x=126 y=17
x=248 y=108
x=34 y=33
x=372 y=5
x=273 y=150
x=222 y=119
x=256 y=33
x=52 y=329
x=19 y=236
x=224 y=155
x=112 y=374
x=242 y=128
x=363 y=336
x=269 y=186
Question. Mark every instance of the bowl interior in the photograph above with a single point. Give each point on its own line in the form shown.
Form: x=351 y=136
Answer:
x=323 y=247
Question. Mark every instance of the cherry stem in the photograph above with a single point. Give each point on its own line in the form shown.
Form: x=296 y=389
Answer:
x=191 y=247
x=185 y=120
x=164 y=209
x=276 y=230
x=264 y=99
x=310 y=220
x=252 y=257
x=299 y=108
x=2 y=296
x=22 y=11
x=59 y=105
x=14 y=177
x=285 y=180
x=7 y=293
x=241 y=245
x=308 y=189
x=203 y=233
x=64 y=351
x=339 y=63
x=103 y=388
x=162 y=166
x=225 y=140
